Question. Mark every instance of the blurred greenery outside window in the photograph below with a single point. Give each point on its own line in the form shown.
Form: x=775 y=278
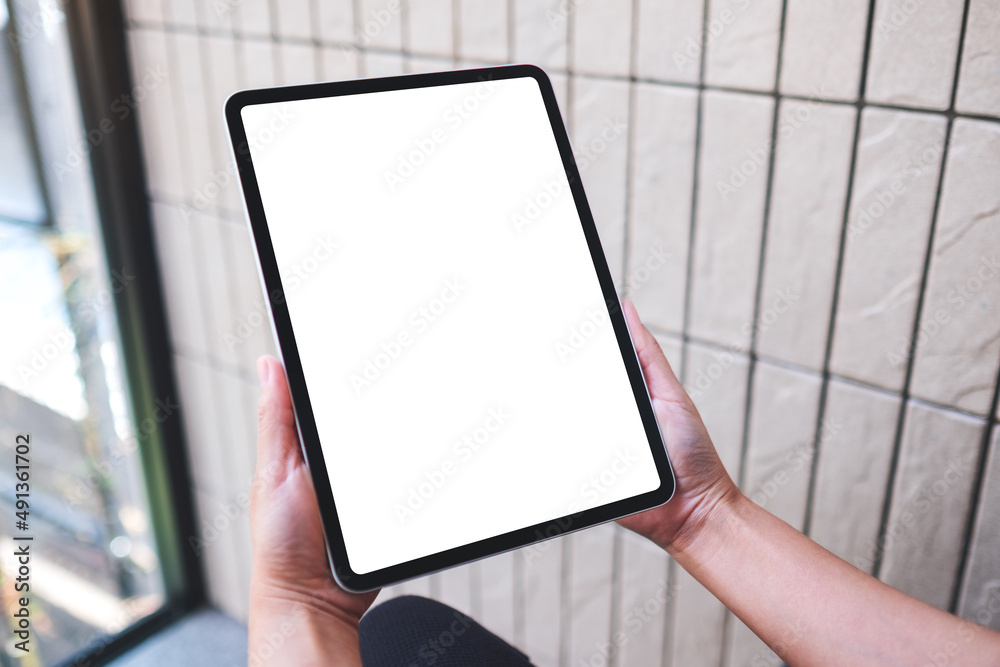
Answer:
x=95 y=565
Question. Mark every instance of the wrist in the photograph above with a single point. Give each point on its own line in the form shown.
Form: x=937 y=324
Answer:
x=709 y=526
x=302 y=638
x=302 y=626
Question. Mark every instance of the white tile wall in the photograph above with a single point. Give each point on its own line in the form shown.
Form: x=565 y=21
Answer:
x=252 y=17
x=541 y=35
x=978 y=91
x=741 y=40
x=661 y=176
x=427 y=64
x=717 y=381
x=298 y=64
x=157 y=122
x=188 y=83
x=483 y=30
x=736 y=136
x=382 y=64
x=591 y=566
x=543 y=599
x=338 y=63
x=258 y=64
x=295 y=20
x=229 y=591
x=647 y=595
x=247 y=331
x=213 y=16
x=455 y=588
x=563 y=601
x=913 y=53
x=211 y=267
x=978 y=600
x=144 y=11
x=899 y=156
x=335 y=22
x=958 y=350
x=930 y=506
x=380 y=23
x=780 y=446
x=430 y=27
x=812 y=165
x=497 y=594
x=599 y=135
x=201 y=426
x=221 y=79
x=181 y=290
x=669 y=41
x=781 y=440
x=699 y=627
x=601 y=35
x=183 y=13
x=824 y=45
x=852 y=469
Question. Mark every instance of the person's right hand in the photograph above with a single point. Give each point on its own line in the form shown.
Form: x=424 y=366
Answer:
x=703 y=484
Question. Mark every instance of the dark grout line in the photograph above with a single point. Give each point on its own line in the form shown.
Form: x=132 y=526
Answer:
x=670 y=616
x=216 y=133
x=196 y=248
x=727 y=620
x=617 y=554
x=519 y=601
x=566 y=566
x=511 y=29
x=762 y=253
x=897 y=444
x=404 y=35
x=571 y=75
x=617 y=566
x=975 y=499
x=277 y=59
x=361 y=64
x=456 y=31
x=314 y=23
x=476 y=589
x=565 y=599
x=695 y=186
x=976 y=496
x=630 y=139
x=838 y=277
x=567 y=71
x=806 y=370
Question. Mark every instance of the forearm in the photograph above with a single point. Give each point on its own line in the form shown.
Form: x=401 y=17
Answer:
x=810 y=606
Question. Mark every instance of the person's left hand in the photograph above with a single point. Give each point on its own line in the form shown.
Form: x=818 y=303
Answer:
x=292 y=592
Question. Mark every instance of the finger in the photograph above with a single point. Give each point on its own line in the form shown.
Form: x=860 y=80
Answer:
x=277 y=439
x=660 y=378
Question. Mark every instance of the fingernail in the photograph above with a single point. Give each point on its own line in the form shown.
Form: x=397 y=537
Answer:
x=263 y=371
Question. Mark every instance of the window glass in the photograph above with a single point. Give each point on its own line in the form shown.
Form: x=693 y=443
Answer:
x=94 y=564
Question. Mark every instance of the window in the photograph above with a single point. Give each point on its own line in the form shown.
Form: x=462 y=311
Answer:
x=102 y=512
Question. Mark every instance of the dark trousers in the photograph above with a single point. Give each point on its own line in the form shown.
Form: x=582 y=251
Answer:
x=412 y=631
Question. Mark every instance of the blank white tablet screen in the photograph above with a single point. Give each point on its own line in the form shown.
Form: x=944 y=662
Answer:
x=463 y=373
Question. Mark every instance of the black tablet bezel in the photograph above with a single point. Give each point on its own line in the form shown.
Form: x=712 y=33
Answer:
x=312 y=450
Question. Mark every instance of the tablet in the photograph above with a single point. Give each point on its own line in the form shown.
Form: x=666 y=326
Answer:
x=461 y=372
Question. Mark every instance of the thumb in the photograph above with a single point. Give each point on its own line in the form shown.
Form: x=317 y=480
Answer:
x=278 y=450
x=663 y=384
